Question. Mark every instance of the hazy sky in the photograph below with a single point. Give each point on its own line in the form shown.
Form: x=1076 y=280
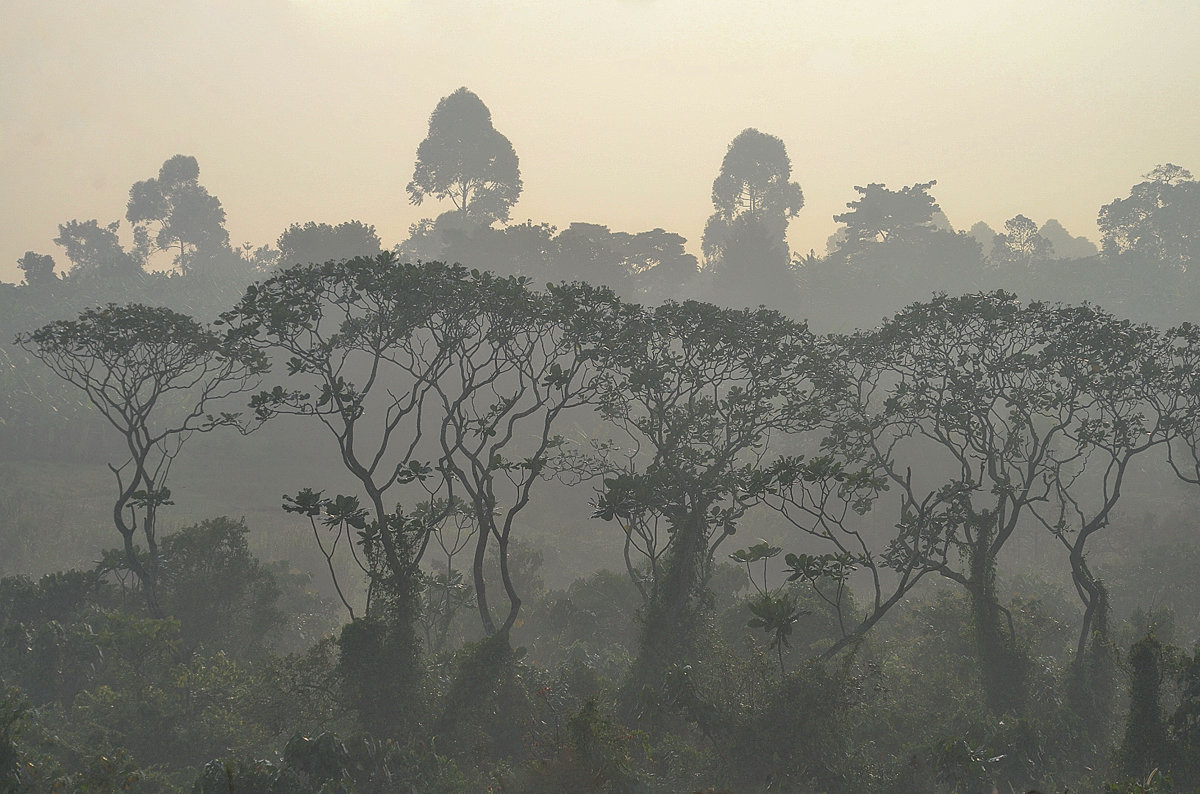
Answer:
x=620 y=110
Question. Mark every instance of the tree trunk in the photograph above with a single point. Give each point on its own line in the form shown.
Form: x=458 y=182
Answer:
x=1001 y=666
x=672 y=617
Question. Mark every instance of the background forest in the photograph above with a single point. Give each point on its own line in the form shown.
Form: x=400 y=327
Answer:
x=505 y=506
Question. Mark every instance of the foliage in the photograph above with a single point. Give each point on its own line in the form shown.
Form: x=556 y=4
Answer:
x=1156 y=225
x=465 y=159
x=744 y=240
x=185 y=214
x=95 y=251
x=701 y=389
x=322 y=242
x=155 y=375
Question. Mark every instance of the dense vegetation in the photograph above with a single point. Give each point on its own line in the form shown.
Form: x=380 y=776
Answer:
x=609 y=534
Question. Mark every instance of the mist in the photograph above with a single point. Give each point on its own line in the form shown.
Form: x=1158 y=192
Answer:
x=633 y=396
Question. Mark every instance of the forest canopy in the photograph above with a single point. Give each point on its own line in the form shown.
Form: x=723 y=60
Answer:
x=543 y=509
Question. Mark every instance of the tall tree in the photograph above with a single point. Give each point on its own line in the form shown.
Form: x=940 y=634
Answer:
x=464 y=159
x=365 y=340
x=745 y=242
x=155 y=375
x=880 y=215
x=1017 y=413
x=427 y=376
x=1158 y=223
x=755 y=179
x=526 y=362
x=1020 y=245
x=1131 y=389
x=174 y=212
x=699 y=389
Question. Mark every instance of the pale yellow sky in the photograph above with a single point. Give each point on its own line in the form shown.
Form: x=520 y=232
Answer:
x=620 y=110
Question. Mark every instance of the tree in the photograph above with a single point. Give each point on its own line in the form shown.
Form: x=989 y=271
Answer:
x=521 y=249
x=658 y=265
x=1131 y=390
x=321 y=242
x=1158 y=224
x=186 y=216
x=699 y=390
x=525 y=362
x=1021 y=245
x=155 y=375
x=38 y=269
x=365 y=340
x=744 y=240
x=985 y=235
x=95 y=250
x=880 y=215
x=592 y=253
x=652 y=263
x=224 y=598
x=895 y=248
x=754 y=180
x=1017 y=413
x=464 y=159
x=430 y=376
x=353 y=332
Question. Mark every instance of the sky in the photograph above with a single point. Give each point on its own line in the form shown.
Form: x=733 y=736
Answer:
x=620 y=110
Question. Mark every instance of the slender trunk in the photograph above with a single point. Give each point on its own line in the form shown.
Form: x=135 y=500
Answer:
x=145 y=576
x=1093 y=679
x=514 y=600
x=481 y=602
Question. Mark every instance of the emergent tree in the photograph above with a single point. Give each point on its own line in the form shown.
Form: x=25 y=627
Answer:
x=181 y=214
x=464 y=159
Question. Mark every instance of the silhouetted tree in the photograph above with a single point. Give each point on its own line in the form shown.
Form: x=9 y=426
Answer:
x=657 y=264
x=154 y=374
x=1021 y=245
x=525 y=249
x=699 y=389
x=38 y=269
x=1017 y=412
x=186 y=217
x=592 y=253
x=464 y=159
x=1159 y=223
x=896 y=247
x=1065 y=245
x=525 y=360
x=985 y=235
x=880 y=215
x=321 y=242
x=95 y=250
x=744 y=241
